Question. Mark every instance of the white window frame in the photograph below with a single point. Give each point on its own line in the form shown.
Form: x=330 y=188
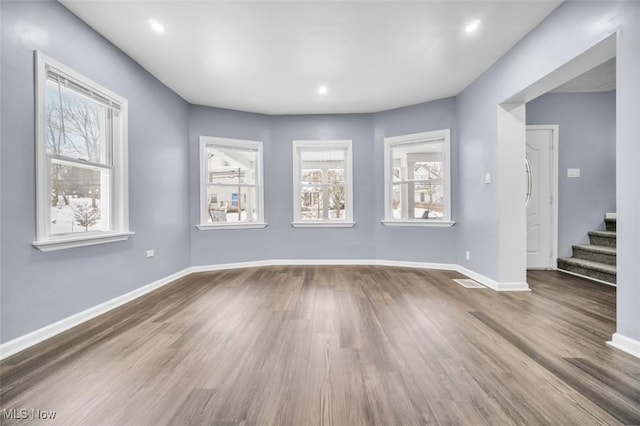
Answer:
x=323 y=145
x=119 y=219
x=389 y=143
x=206 y=141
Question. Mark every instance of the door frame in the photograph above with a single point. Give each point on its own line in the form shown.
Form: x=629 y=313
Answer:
x=511 y=122
x=554 y=181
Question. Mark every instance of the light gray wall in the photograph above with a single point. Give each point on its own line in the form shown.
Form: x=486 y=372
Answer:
x=226 y=246
x=424 y=244
x=279 y=240
x=570 y=30
x=41 y=288
x=587 y=140
x=368 y=239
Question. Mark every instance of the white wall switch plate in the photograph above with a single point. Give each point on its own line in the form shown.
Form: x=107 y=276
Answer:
x=151 y=253
x=573 y=173
x=487 y=177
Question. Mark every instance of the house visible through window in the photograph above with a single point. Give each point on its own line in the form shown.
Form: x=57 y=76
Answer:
x=322 y=183
x=231 y=187
x=417 y=172
x=81 y=160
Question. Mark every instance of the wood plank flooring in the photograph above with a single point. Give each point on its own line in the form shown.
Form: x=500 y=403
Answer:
x=326 y=345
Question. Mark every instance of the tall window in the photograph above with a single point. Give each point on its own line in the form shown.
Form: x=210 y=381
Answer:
x=323 y=184
x=231 y=190
x=417 y=179
x=81 y=148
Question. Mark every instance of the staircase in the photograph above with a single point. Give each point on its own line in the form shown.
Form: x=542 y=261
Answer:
x=598 y=259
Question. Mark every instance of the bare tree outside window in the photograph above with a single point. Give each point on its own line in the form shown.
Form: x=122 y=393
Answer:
x=335 y=178
x=75 y=131
x=85 y=215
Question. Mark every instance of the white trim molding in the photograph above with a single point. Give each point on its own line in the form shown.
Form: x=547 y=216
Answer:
x=427 y=223
x=230 y=144
x=323 y=224
x=113 y=167
x=427 y=139
x=59 y=244
x=493 y=284
x=625 y=344
x=231 y=225
x=30 y=339
x=318 y=146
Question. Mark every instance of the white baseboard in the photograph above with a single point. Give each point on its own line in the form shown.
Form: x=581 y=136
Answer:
x=327 y=262
x=626 y=344
x=493 y=284
x=225 y=266
x=23 y=342
x=30 y=339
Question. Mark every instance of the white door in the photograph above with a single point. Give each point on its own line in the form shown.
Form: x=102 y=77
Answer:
x=541 y=234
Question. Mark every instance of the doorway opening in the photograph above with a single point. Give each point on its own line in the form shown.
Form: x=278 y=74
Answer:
x=568 y=230
x=512 y=121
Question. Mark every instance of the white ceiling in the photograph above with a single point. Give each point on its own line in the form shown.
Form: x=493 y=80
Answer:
x=599 y=79
x=270 y=57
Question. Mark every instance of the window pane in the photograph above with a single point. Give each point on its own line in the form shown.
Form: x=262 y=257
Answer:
x=417 y=200
x=336 y=202
x=79 y=199
x=417 y=161
x=311 y=203
x=428 y=170
x=76 y=126
x=232 y=204
x=311 y=176
x=323 y=202
x=335 y=176
x=322 y=177
x=232 y=166
x=329 y=163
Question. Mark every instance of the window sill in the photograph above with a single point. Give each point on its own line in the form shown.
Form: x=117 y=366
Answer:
x=427 y=223
x=66 y=243
x=212 y=227
x=319 y=224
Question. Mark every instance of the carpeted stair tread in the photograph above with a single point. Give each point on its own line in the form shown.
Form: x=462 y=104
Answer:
x=588 y=264
x=602 y=238
x=596 y=249
x=605 y=234
x=596 y=260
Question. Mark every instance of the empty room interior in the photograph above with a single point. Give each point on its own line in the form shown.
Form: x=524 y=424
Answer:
x=319 y=212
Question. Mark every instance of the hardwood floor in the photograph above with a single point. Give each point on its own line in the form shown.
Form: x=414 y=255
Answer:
x=336 y=346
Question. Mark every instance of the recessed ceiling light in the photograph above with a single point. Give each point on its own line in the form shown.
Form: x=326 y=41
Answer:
x=323 y=89
x=156 y=26
x=473 y=26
